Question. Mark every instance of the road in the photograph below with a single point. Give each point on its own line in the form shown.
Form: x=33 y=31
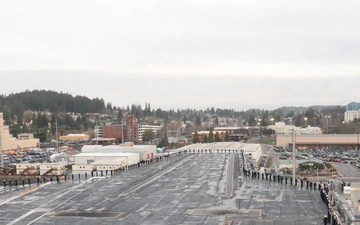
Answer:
x=350 y=174
x=347 y=170
x=268 y=150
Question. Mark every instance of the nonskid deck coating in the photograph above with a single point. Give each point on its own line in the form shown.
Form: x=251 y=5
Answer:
x=192 y=185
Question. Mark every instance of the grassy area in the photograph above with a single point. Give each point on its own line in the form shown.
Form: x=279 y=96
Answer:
x=269 y=162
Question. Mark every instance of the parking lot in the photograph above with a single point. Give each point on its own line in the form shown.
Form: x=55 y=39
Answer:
x=27 y=157
x=185 y=189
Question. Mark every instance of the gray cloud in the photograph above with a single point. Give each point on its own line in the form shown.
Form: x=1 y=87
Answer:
x=192 y=92
x=198 y=40
x=161 y=37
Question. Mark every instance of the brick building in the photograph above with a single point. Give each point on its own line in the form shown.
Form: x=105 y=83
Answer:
x=113 y=131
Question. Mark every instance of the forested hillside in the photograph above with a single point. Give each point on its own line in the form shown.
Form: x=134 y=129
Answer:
x=51 y=101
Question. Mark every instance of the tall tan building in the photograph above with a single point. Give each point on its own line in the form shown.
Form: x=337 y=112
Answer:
x=8 y=142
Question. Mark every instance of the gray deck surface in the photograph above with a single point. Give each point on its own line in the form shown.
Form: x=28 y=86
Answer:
x=191 y=191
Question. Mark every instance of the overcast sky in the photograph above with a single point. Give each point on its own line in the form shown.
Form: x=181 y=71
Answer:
x=184 y=53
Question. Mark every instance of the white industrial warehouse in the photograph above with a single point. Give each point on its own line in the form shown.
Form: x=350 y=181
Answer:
x=97 y=157
x=254 y=151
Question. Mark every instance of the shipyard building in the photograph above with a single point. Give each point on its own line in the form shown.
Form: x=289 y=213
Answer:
x=9 y=143
x=97 y=157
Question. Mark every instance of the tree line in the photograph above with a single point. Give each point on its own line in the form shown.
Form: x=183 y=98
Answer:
x=43 y=100
x=14 y=107
x=212 y=137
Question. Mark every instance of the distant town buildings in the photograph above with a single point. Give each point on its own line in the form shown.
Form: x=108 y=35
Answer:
x=282 y=128
x=75 y=137
x=8 y=142
x=129 y=131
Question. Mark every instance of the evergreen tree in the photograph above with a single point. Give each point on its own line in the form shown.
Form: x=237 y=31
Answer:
x=211 y=136
x=158 y=113
x=34 y=121
x=265 y=120
x=184 y=119
x=216 y=123
x=205 y=140
x=78 y=123
x=69 y=121
x=148 y=110
x=198 y=121
x=217 y=137
x=252 y=120
x=196 y=138
x=109 y=106
x=41 y=120
x=148 y=136
x=53 y=118
x=227 y=136
x=119 y=116
x=164 y=142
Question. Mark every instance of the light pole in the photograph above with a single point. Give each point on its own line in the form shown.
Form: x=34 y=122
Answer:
x=259 y=123
x=122 y=132
x=357 y=147
x=327 y=124
x=272 y=123
x=305 y=120
x=57 y=136
x=294 y=154
x=1 y=158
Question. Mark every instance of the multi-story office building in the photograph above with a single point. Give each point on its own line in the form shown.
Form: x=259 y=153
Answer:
x=98 y=132
x=113 y=131
x=130 y=129
x=142 y=129
x=351 y=115
x=352 y=112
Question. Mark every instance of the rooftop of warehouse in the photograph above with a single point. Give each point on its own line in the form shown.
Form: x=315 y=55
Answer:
x=105 y=154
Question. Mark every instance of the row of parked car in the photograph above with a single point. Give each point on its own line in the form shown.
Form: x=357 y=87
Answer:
x=27 y=157
x=334 y=154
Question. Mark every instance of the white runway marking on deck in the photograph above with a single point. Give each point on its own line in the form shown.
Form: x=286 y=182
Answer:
x=63 y=202
x=21 y=217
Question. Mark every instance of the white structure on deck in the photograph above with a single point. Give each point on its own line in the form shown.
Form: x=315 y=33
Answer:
x=254 y=151
x=146 y=152
x=100 y=166
x=97 y=157
x=94 y=158
x=87 y=162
